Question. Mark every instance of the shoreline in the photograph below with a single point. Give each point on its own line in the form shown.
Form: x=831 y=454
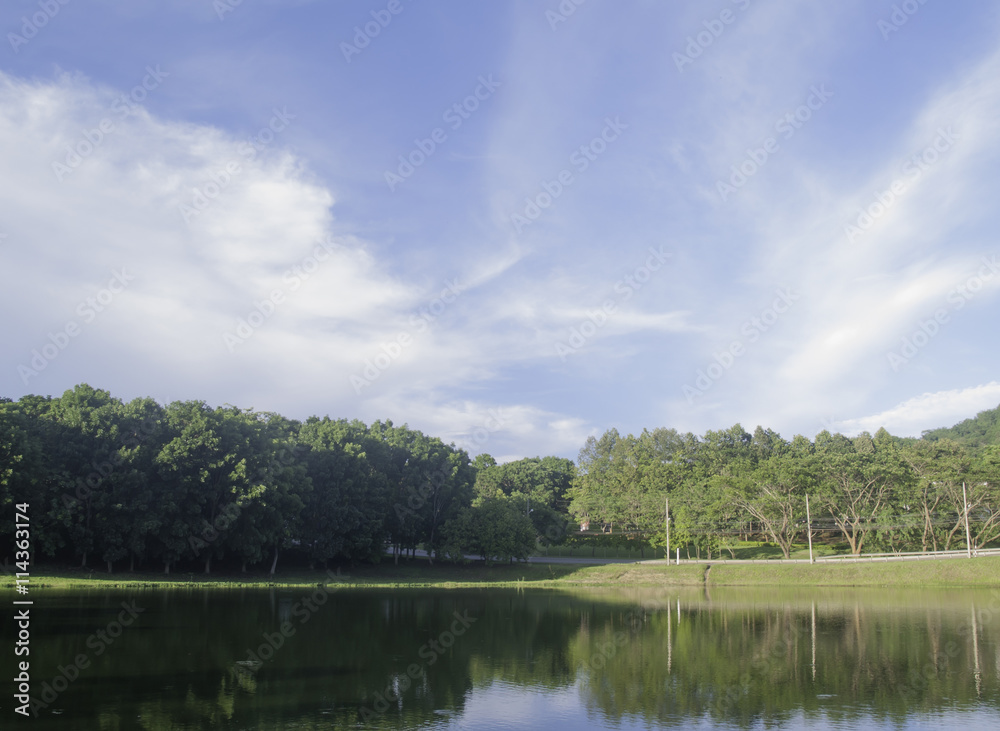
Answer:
x=943 y=573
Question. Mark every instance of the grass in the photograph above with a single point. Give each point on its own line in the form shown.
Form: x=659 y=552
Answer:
x=957 y=572
x=417 y=572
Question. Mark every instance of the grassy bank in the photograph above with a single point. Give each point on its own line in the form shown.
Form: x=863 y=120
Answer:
x=412 y=573
x=959 y=572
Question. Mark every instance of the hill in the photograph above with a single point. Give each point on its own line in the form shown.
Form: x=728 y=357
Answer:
x=982 y=430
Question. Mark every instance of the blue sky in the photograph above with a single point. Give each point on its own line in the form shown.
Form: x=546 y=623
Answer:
x=509 y=224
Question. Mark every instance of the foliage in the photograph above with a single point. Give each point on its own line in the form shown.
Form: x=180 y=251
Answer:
x=980 y=431
x=188 y=485
x=492 y=527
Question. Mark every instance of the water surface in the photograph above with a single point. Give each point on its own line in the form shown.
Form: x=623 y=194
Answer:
x=495 y=659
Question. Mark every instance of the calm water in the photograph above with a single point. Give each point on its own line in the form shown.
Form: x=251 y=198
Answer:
x=495 y=659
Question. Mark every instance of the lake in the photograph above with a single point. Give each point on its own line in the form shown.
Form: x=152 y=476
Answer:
x=739 y=658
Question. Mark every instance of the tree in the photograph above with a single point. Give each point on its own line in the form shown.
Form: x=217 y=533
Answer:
x=539 y=484
x=345 y=516
x=773 y=493
x=494 y=528
x=984 y=497
x=939 y=467
x=428 y=484
x=981 y=431
x=858 y=490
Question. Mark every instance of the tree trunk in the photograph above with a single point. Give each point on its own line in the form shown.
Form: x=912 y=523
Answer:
x=83 y=563
x=166 y=567
x=131 y=563
x=274 y=564
x=109 y=567
x=395 y=554
x=208 y=564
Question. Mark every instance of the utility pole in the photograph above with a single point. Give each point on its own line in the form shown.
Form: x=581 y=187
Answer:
x=666 y=512
x=968 y=538
x=809 y=531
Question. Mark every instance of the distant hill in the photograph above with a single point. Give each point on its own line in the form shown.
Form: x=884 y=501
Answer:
x=984 y=429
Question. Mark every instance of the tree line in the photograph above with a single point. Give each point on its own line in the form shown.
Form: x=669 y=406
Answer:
x=185 y=486
x=872 y=493
x=189 y=485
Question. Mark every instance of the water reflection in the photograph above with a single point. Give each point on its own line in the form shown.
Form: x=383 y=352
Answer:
x=731 y=658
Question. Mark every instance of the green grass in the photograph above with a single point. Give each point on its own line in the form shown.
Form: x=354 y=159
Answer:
x=958 y=572
x=417 y=572
x=953 y=572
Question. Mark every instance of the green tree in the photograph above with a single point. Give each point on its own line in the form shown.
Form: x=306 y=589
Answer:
x=539 y=484
x=345 y=517
x=494 y=528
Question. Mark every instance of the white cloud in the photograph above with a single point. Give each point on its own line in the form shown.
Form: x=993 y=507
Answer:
x=119 y=204
x=928 y=411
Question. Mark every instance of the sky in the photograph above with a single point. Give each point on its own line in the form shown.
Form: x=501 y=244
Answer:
x=512 y=225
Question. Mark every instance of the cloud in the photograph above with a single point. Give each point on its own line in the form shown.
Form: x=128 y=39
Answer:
x=506 y=431
x=860 y=297
x=241 y=288
x=208 y=227
x=928 y=411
